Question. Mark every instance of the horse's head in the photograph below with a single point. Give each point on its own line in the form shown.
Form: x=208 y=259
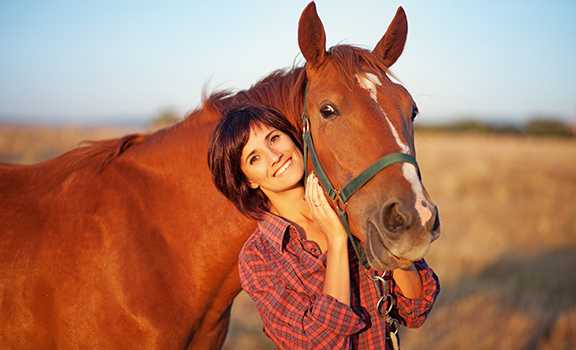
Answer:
x=357 y=115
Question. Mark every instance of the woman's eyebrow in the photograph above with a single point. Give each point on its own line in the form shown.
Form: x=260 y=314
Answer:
x=247 y=158
x=267 y=138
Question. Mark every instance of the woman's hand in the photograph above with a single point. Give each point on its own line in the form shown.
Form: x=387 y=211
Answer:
x=325 y=218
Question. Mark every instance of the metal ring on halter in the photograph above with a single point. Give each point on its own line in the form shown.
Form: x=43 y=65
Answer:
x=306 y=127
x=390 y=305
x=377 y=278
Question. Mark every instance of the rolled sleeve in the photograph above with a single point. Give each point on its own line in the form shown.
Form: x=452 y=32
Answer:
x=413 y=312
x=293 y=319
x=336 y=317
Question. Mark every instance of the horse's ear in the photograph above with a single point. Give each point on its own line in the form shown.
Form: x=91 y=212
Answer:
x=311 y=36
x=391 y=45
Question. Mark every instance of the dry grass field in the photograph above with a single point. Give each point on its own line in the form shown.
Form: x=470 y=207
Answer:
x=22 y=144
x=506 y=258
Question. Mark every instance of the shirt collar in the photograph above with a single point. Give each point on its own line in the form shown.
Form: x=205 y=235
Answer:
x=273 y=228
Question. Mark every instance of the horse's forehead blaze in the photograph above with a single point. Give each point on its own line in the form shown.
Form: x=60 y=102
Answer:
x=370 y=82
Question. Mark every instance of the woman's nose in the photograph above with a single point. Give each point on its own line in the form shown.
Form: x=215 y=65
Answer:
x=275 y=155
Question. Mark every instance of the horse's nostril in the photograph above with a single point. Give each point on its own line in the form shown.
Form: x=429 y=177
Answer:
x=394 y=220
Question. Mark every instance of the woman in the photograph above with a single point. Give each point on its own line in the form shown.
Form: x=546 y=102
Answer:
x=297 y=267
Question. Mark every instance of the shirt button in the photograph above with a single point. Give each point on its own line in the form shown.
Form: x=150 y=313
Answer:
x=287 y=287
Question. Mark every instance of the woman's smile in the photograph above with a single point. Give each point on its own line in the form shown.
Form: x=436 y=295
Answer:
x=284 y=168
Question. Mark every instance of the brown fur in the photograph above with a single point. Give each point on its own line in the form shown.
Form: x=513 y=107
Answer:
x=126 y=244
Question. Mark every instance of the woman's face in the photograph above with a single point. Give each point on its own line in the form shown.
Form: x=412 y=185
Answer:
x=271 y=160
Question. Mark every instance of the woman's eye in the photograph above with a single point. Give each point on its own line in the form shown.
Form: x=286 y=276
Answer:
x=274 y=138
x=254 y=159
x=328 y=111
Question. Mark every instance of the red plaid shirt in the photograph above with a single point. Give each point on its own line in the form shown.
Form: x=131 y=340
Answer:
x=284 y=275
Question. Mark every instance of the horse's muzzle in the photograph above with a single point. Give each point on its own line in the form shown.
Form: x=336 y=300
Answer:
x=396 y=234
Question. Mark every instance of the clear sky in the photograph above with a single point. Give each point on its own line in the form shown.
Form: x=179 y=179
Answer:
x=90 y=62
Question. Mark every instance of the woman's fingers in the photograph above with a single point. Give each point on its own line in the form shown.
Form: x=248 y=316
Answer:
x=317 y=200
x=323 y=215
x=320 y=193
x=309 y=192
x=313 y=192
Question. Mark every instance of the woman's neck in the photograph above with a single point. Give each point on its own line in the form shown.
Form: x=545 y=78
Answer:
x=290 y=204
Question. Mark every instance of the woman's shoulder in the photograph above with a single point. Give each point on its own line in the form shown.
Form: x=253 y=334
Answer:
x=267 y=240
x=271 y=228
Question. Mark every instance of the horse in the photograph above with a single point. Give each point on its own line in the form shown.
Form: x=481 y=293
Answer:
x=126 y=243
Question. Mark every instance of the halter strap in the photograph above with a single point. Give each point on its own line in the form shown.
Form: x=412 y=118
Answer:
x=353 y=186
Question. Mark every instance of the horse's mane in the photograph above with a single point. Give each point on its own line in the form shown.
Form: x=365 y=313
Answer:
x=284 y=89
x=352 y=60
x=113 y=148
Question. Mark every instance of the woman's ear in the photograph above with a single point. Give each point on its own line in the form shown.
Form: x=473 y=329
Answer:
x=252 y=185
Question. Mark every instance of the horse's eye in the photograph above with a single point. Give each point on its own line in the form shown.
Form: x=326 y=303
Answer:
x=414 y=112
x=328 y=111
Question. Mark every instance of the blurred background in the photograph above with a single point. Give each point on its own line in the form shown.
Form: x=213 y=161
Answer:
x=495 y=82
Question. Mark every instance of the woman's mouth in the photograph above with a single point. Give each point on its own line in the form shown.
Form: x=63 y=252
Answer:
x=284 y=168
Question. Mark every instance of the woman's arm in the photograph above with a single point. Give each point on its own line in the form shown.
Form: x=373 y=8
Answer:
x=413 y=312
x=409 y=281
x=337 y=283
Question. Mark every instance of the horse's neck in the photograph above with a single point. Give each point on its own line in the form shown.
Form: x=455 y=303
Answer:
x=280 y=90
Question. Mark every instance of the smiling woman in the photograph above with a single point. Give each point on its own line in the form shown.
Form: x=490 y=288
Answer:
x=324 y=274
x=271 y=161
x=228 y=154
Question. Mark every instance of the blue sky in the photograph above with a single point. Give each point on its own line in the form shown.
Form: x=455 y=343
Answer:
x=91 y=62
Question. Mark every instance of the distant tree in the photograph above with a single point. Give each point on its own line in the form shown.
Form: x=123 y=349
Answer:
x=508 y=129
x=471 y=126
x=165 y=119
x=547 y=127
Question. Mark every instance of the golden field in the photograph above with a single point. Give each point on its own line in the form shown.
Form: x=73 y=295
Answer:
x=507 y=255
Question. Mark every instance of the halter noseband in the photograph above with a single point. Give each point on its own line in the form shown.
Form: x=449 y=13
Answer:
x=353 y=186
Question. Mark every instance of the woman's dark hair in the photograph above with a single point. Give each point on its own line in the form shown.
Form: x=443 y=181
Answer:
x=225 y=151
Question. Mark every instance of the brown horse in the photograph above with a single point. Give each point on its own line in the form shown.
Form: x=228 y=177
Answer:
x=126 y=244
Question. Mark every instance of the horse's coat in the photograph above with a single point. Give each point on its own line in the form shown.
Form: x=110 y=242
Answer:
x=126 y=244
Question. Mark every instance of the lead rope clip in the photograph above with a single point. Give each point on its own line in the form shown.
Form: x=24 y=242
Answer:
x=382 y=298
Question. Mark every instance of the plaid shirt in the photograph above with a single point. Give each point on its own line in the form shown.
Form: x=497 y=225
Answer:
x=284 y=275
